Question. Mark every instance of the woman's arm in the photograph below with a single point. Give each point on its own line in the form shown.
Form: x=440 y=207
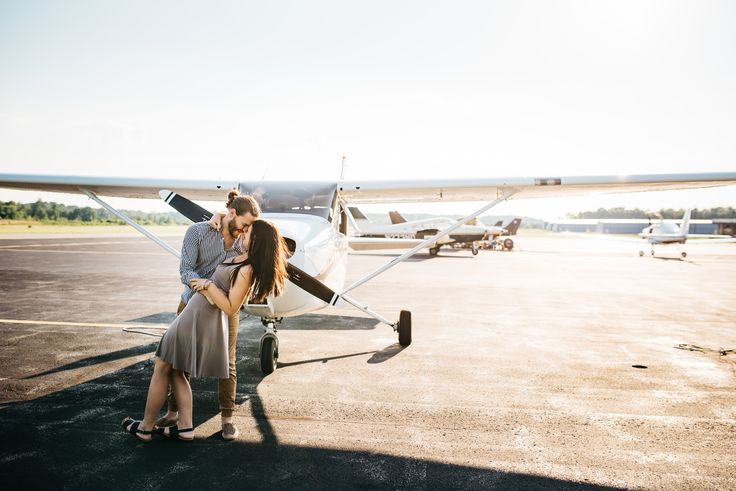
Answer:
x=230 y=303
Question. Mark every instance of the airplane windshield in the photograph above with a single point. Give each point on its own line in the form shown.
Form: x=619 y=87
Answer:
x=304 y=198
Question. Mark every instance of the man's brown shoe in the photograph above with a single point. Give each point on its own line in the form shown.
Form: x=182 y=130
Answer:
x=229 y=431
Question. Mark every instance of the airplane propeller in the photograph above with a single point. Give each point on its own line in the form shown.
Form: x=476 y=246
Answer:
x=300 y=278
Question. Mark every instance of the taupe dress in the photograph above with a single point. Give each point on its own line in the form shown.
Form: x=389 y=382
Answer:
x=196 y=342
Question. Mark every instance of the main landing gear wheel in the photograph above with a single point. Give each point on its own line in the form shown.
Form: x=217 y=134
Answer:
x=433 y=251
x=683 y=254
x=641 y=253
x=474 y=250
x=508 y=244
x=404 y=328
x=269 y=355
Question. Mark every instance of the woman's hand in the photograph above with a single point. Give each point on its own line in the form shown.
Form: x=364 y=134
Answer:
x=199 y=284
x=216 y=220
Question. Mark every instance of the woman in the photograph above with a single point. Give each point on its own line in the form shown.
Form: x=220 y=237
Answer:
x=196 y=342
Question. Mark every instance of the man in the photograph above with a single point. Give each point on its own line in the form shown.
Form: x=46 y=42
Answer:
x=203 y=248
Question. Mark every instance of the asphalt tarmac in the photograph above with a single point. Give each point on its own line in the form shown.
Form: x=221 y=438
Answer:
x=553 y=366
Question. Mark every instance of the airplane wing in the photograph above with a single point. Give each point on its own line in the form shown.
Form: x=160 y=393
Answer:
x=479 y=189
x=525 y=187
x=118 y=187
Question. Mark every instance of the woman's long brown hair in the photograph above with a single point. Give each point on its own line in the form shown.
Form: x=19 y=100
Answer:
x=267 y=255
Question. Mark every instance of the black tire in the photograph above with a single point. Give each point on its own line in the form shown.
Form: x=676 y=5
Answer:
x=508 y=244
x=433 y=251
x=404 y=328
x=474 y=250
x=684 y=254
x=269 y=355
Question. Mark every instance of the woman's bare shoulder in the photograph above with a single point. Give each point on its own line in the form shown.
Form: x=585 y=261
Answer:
x=246 y=271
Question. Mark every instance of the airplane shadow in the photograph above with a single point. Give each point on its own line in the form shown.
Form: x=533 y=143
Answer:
x=322 y=322
x=378 y=356
x=670 y=258
x=96 y=360
x=386 y=353
x=307 y=322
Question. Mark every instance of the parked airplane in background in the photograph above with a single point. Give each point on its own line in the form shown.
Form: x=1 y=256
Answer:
x=667 y=233
x=463 y=235
x=490 y=239
x=498 y=243
x=313 y=218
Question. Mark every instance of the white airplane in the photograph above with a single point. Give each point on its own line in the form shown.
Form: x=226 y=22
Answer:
x=468 y=236
x=313 y=218
x=417 y=229
x=667 y=233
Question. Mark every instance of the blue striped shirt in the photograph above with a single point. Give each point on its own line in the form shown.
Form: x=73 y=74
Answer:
x=202 y=250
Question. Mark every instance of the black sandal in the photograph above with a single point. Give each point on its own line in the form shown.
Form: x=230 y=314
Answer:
x=130 y=425
x=174 y=432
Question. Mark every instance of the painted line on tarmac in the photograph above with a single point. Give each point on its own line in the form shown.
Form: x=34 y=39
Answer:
x=81 y=324
x=18 y=249
x=64 y=244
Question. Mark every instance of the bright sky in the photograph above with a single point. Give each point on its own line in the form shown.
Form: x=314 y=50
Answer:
x=404 y=89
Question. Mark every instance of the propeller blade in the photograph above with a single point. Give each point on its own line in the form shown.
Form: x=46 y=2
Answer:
x=300 y=278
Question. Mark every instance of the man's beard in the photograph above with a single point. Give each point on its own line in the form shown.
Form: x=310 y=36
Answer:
x=232 y=228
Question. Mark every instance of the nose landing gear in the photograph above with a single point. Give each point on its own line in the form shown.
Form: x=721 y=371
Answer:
x=269 y=345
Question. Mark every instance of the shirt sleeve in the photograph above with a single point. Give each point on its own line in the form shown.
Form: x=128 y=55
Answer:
x=189 y=254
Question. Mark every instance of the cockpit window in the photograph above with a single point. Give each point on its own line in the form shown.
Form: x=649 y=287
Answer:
x=311 y=198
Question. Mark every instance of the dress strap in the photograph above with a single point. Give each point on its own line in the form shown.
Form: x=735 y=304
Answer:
x=244 y=263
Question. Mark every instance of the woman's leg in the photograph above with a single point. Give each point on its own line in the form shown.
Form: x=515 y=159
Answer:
x=183 y=392
x=156 y=393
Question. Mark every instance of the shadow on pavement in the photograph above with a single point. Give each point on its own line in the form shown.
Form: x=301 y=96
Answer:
x=306 y=323
x=96 y=360
x=72 y=439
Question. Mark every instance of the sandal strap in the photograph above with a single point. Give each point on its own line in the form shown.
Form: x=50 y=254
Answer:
x=175 y=430
x=131 y=426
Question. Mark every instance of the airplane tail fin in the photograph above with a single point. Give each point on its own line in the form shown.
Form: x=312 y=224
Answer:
x=513 y=226
x=396 y=217
x=685 y=226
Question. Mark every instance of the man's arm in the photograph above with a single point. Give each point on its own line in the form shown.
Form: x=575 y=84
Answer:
x=189 y=255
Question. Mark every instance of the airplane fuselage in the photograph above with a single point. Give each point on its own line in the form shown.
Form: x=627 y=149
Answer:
x=321 y=251
x=420 y=229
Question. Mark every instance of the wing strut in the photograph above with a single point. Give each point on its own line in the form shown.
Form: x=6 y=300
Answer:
x=130 y=222
x=429 y=241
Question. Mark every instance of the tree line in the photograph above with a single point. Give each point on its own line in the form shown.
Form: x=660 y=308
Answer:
x=706 y=213
x=53 y=213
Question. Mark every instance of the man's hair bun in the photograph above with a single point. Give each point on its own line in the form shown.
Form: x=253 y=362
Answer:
x=231 y=196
